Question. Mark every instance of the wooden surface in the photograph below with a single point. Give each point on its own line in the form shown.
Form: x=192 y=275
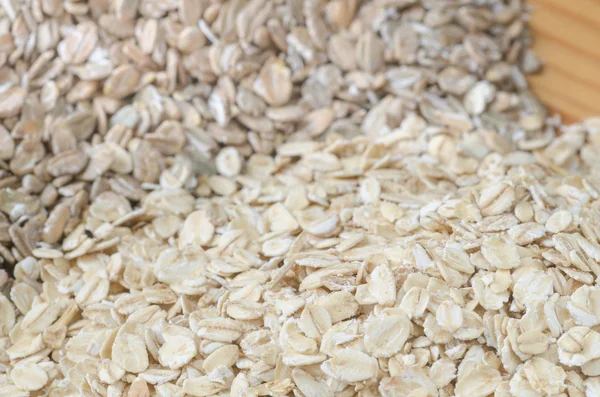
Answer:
x=567 y=39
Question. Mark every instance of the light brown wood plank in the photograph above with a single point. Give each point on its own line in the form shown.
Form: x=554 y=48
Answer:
x=566 y=28
x=587 y=11
x=578 y=66
x=568 y=87
x=567 y=38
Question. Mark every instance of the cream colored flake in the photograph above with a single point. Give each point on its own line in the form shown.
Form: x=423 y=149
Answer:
x=298 y=360
x=166 y=226
x=274 y=83
x=322 y=226
x=40 y=317
x=12 y=101
x=281 y=219
x=122 y=82
x=479 y=382
x=29 y=376
x=350 y=242
x=7 y=315
x=277 y=246
x=382 y=285
x=532 y=342
x=340 y=305
x=544 y=376
x=292 y=336
x=77 y=46
x=129 y=353
x=93 y=291
x=370 y=190
x=496 y=199
x=110 y=206
x=592 y=386
x=500 y=252
x=310 y=385
x=532 y=286
x=245 y=310
x=524 y=211
x=122 y=162
x=472 y=326
x=277 y=387
x=197 y=229
x=520 y=385
x=584 y=306
x=487 y=296
x=442 y=372
x=201 y=386
x=412 y=379
x=415 y=302
x=350 y=366
x=386 y=336
x=177 y=351
x=297 y=148
x=221 y=185
x=369 y=52
x=578 y=345
x=109 y=372
x=10 y=390
x=224 y=356
x=479 y=96
x=159 y=376
x=228 y=162
x=559 y=221
x=449 y=316
x=26 y=345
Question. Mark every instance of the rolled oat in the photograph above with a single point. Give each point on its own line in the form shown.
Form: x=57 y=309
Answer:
x=290 y=198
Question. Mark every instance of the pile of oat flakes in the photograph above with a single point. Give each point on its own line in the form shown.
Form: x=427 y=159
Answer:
x=301 y=198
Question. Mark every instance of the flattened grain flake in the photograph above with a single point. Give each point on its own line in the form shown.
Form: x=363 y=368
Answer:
x=11 y=101
x=129 y=353
x=29 y=376
x=350 y=366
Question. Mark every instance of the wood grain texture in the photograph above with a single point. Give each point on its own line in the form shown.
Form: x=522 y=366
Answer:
x=567 y=39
